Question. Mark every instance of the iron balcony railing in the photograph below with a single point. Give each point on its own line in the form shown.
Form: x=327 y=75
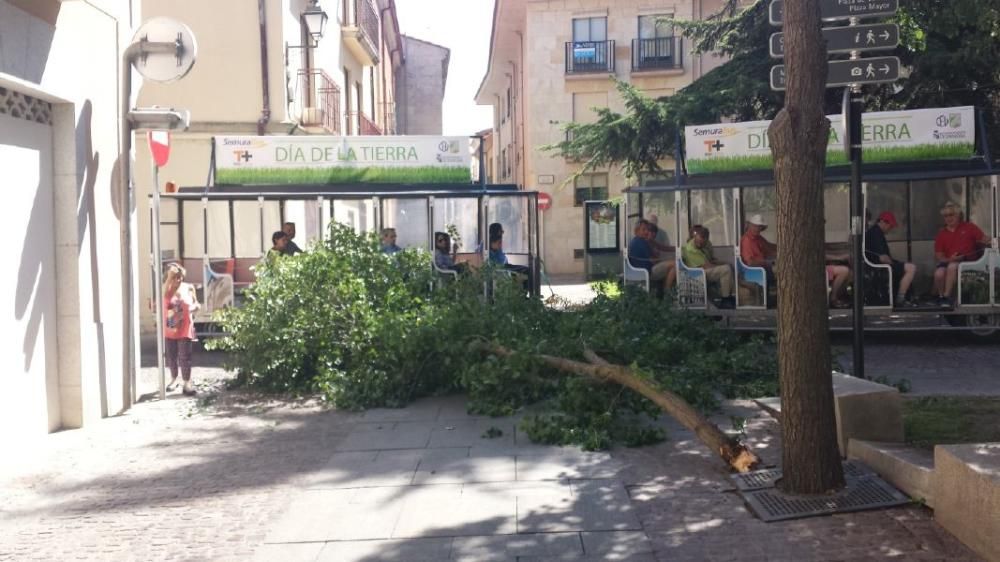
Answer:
x=317 y=100
x=590 y=56
x=661 y=53
x=366 y=18
x=388 y=111
x=360 y=122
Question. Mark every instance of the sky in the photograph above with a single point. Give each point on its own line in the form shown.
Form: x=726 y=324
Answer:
x=464 y=27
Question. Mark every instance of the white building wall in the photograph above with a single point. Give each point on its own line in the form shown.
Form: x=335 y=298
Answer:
x=67 y=327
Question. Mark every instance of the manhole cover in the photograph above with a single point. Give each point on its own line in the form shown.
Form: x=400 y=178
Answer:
x=760 y=479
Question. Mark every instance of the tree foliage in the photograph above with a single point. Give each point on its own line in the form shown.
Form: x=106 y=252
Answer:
x=952 y=48
x=362 y=329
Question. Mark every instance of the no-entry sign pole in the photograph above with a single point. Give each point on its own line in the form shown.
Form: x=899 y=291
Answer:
x=159 y=147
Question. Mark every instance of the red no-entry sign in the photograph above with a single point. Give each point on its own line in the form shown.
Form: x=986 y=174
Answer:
x=544 y=201
x=159 y=145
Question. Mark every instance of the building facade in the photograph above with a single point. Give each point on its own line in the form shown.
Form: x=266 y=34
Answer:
x=550 y=62
x=262 y=70
x=65 y=162
x=421 y=87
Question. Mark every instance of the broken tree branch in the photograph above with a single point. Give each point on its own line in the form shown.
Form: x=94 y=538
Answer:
x=737 y=455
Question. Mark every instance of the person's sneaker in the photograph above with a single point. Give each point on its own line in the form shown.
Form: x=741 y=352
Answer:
x=172 y=385
x=903 y=302
x=189 y=389
x=943 y=301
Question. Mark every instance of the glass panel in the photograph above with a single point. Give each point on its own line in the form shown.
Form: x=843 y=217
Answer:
x=662 y=206
x=463 y=213
x=194 y=230
x=356 y=214
x=246 y=217
x=409 y=218
x=837 y=208
x=976 y=282
x=295 y=212
x=760 y=201
x=581 y=29
x=651 y=27
x=889 y=196
x=927 y=198
x=512 y=214
x=598 y=29
x=272 y=223
x=981 y=203
x=219 y=235
x=714 y=210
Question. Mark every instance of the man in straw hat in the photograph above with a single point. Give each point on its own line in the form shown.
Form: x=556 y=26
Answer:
x=755 y=250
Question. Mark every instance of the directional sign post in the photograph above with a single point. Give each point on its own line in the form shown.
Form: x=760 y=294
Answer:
x=853 y=39
x=875 y=70
x=839 y=10
x=858 y=38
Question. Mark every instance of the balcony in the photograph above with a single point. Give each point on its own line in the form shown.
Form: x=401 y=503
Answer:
x=357 y=120
x=360 y=31
x=661 y=53
x=316 y=101
x=590 y=57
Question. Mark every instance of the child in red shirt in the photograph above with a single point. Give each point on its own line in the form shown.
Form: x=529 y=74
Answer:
x=179 y=302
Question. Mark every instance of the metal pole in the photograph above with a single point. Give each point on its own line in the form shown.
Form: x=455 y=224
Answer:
x=853 y=108
x=157 y=285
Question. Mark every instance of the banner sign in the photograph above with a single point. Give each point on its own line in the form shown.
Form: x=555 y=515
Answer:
x=338 y=160
x=888 y=136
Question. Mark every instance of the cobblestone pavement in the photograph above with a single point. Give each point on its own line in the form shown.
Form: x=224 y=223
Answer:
x=209 y=478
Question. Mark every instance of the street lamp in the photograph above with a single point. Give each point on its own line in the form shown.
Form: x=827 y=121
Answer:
x=315 y=19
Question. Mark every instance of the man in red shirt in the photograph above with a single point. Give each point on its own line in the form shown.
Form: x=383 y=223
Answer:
x=958 y=241
x=755 y=250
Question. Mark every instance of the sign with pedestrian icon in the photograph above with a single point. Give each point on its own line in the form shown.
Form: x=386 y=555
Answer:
x=859 y=38
x=875 y=70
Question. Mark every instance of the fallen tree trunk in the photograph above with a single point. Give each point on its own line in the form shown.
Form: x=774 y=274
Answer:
x=736 y=455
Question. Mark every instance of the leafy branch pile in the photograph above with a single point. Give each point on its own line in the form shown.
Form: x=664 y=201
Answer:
x=364 y=330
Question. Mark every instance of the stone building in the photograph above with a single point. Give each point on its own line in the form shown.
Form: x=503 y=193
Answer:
x=421 y=87
x=549 y=65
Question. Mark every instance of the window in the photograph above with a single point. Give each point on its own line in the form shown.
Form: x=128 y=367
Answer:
x=508 y=102
x=510 y=160
x=590 y=187
x=503 y=163
x=590 y=29
x=656 y=27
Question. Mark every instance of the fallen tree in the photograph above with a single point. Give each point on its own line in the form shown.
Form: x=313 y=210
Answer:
x=734 y=453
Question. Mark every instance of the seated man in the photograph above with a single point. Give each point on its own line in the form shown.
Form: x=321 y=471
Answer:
x=499 y=258
x=958 y=241
x=642 y=256
x=698 y=253
x=877 y=251
x=279 y=246
x=755 y=250
x=389 y=241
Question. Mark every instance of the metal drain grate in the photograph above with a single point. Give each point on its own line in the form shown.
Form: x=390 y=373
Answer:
x=760 y=479
x=868 y=492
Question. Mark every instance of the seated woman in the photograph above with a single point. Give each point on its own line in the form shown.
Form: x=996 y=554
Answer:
x=444 y=254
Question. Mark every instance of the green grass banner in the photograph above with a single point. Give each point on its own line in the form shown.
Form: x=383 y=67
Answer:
x=321 y=176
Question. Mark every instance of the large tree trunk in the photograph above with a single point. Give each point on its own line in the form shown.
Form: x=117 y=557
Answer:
x=798 y=135
x=737 y=455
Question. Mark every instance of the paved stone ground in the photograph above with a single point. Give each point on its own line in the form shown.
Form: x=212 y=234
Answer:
x=239 y=477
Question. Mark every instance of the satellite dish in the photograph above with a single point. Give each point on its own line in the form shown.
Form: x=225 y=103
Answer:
x=163 y=49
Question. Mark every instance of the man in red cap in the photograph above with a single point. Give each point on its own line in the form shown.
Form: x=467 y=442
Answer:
x=877 y=251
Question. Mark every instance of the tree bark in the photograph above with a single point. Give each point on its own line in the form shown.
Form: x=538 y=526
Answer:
x=798 y=136
x=737 y=455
